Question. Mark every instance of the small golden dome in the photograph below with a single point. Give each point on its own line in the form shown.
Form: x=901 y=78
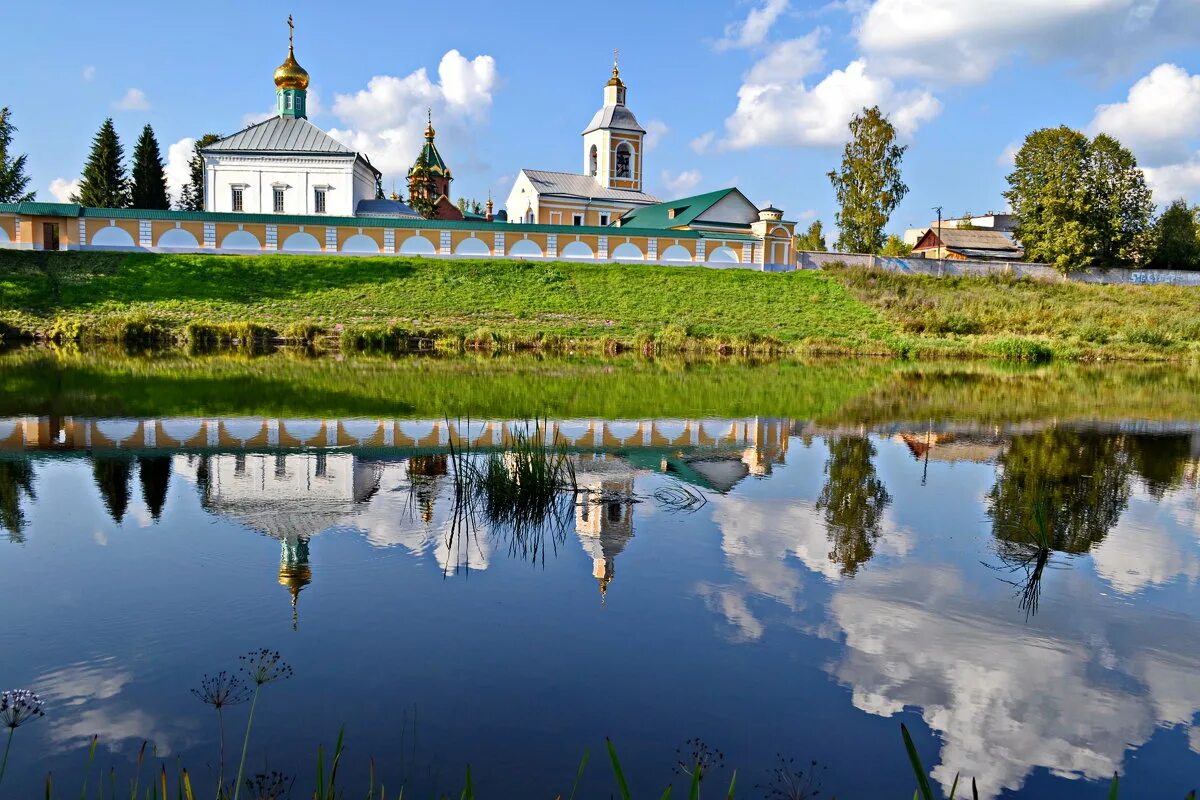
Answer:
x=289 y=74
x=294 y=577
x=615 y=80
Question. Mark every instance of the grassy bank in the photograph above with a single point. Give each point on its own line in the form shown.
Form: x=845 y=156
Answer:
x=405 y=303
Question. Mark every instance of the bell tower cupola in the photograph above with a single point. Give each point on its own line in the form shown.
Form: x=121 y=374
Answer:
x=613 y=144
x=291 y=82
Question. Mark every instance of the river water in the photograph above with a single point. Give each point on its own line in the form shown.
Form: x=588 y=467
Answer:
x=784 y=561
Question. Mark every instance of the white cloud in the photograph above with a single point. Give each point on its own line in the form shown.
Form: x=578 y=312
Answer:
x=1159 y=118
x=656 y=129
x=792 y=113
x=703 y=142
x=681 y=183
x=789 y=61
x=134 y=100
x=61 y=189
x=177 y=168
x=89 y=72
x=387 y=119
x=754 y=28
x=951 y=41
x=1175 y=181
x=1008 y=156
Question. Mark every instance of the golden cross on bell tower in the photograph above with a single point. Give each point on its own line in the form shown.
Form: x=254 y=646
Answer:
x=616 y=55
x=291 y=31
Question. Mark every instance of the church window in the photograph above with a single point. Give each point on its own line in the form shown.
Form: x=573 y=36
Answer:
x=603 y=219
x=577 y=219
x=593 y=162
x=277 y=200
x=287 y=102
x=624 y=162
x=237 y=198
x=319 y=201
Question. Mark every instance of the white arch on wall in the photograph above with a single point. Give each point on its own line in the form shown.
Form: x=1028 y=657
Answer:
x=178 y=237
x=240 y=240
x=576 y=250
x=472 y=247
x=301 y=242
x=4 y=235
x=525 y=247
x=417 y=246
x=627 y=250
x=675 y=252
x=110 y=236
x=723 y=255
x=359 y=243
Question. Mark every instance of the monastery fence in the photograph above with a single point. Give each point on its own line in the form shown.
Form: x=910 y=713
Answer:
x=1019 y=269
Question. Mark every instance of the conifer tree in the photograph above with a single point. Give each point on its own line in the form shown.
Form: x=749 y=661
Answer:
x=13 y=180
x=191 y=197
x=148 y=188
x=104 y=184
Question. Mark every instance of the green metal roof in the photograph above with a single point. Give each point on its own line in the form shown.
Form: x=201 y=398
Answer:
x=433 y=160
x=74 y=210
x=686 y=210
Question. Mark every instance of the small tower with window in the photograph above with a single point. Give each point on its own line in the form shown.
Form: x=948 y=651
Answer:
x=291 y=82
x=613 y=143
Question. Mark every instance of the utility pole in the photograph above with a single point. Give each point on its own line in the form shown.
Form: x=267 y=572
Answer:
x=939 y=231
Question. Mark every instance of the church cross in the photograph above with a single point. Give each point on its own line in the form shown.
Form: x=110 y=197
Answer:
x=291 y=30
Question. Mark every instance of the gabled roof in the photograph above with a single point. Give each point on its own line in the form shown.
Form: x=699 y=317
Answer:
x=433 y=160
x=614 y=118
x=674 y=213
x=571 y=184
x=280 y=134
x=977 y=240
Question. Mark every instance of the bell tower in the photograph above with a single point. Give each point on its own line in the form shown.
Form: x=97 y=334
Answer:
x=614 y=142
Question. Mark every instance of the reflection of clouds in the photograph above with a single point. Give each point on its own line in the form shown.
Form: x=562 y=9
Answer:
x=1068 y=692
x=89 y=691
x=1154 y=544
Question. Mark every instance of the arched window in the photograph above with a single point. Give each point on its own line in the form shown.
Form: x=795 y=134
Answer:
x=624 y=165
x=593 y=162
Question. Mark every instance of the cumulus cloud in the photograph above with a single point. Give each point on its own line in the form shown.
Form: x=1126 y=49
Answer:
x=133 y=100
x=387 y=119
x=950 y=41
x=62 y=189
x=1160 y=117
x=703 y=142
x=656 y=129
x=1008 y=156
x=789 y=61
x=177 y=168
x=754 y=28
x=793 y=113
x=681 y=183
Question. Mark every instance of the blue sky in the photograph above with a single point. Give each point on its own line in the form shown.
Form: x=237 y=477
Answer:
x=752 y=93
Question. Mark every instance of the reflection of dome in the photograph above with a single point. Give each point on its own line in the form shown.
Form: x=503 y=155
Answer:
x=294 y=572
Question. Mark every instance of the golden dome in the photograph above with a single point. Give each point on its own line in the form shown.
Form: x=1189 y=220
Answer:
x=615 y=80
x=289 y=74
x=294 y=577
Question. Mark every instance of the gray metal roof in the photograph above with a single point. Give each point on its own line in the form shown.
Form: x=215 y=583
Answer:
x=615 y=117
x=976 y=239
x=280 y=135
x=384 y=208
x=571 y=184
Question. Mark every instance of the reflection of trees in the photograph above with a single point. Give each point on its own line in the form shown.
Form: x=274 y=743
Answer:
x=154 y=472
x=1079 y=480
x=16 y=477
x=1160 y=461
x=853 y=500
x=112 y=479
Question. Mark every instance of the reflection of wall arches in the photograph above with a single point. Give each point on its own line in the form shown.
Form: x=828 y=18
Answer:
x=178 y=237
x=240 y=240
x=576 y=250
x=675 y=252
x=472 y=247
x=111 y=236
x=524 y=247
x=627 y=250
x=417 y=246
x=301 y=242
x=360 y=243
x=301 y=430
x=723 y=255
x=181 y=430
x=116 y=430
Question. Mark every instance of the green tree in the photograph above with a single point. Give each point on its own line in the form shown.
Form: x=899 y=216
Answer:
x=422 y=189
x=895 y=247
x=191 y=196
x=104 y=184
x=1077 y=480
x=868 y=184
x=13 y=180
x=1176 y=239
x=469 y=205
x=965 y=224
x=813 y=239
x=853 y=501
x=1079 y=203
x=148 y=189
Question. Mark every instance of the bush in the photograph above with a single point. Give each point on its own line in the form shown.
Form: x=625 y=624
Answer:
x=1149 y=337
x=1028 y=351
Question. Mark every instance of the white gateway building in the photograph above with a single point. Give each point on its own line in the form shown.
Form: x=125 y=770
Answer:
x=285 y=164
